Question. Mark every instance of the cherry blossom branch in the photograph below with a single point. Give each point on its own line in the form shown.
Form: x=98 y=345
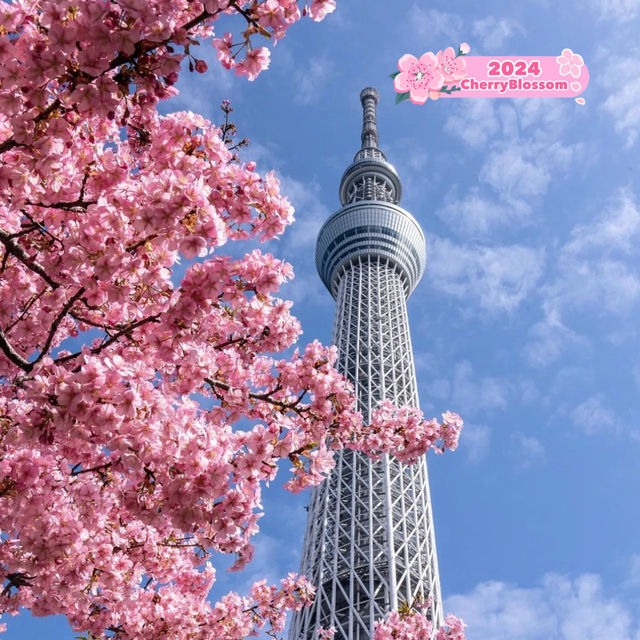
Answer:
x=126 y=330
x=99 y=469
x=12 y=354
x=30 y=303
x=31 y=263
x=54 y=326
x=17 y=359
x=36 y=225
x=92 y=323
x=251 y=20
x=132 y=247
x=140 y=48
x=17 y=580
x=267 y=397
x=73 y=205
x=112 y=339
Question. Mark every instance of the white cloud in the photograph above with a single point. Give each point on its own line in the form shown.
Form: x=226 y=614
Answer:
x=495 y=278
x=596 y=269
x=623 y=97
x=512 y=172
x=604 y=285
x=548 y=339
x=526 y=450
x=633 y=579
x=594 y=418
x=524 y=156
x=431 y=22
x=529 y=392
x=559 y=609
x=616 y=230
x=495 y=32
x=468 y=393
x=311 y=78
x=475 y=122
x=617 y=10
x=475 y=441
x=310 y=212
x=474 y=215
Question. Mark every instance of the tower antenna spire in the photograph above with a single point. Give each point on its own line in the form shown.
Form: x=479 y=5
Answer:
x=369 y=98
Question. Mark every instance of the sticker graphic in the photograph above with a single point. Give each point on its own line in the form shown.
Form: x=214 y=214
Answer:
x=453 y=74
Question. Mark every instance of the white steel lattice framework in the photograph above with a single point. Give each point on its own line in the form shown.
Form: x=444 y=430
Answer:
x=370 y=543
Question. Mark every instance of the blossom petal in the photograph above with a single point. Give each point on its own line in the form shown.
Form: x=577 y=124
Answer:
x=419 y=95
x=449 y=52
x=429 y=59
x=436 y=81
x=407 y=60
x=401 y=82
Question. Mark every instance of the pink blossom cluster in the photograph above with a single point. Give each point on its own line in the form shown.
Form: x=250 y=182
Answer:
x=124 y=374
x=273 y=18
x=426 y=77
x=407 y=433
x=414 y=625
x=64 y=60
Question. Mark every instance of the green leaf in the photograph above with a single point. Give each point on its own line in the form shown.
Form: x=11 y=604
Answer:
x=401 y=97
x=393 y=75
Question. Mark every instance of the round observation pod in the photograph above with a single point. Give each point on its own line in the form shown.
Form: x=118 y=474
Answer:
x=371 y=229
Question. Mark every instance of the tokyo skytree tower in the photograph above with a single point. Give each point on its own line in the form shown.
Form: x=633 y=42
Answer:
x=370 y=544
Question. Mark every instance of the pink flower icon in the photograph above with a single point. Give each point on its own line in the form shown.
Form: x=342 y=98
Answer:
x=452 y=68
x=418 y=77
x=570 y=63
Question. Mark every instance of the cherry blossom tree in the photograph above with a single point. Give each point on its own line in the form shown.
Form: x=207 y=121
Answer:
x=122 y=467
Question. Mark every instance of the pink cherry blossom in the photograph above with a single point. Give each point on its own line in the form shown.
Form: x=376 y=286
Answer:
x=570 y=63
x=453 y=68
x=418 y=76
x=256 y=61
x=412 y=624
x=123 y=466
x=223 y=46
x=464 y=48
x=320 y=8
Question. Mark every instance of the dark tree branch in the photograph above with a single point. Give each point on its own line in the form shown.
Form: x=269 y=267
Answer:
x=72 y=205
x=266 y=397
x=28 y=306
x=37 y=225
x=112 y=339
x=12 y=354
x=54 y=327
x=17 y=580
x=17 y=251
x=132 y=247
x=99 y=469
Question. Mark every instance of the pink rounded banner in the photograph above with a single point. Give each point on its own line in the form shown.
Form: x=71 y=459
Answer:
x=449 y=74
x=564 y=76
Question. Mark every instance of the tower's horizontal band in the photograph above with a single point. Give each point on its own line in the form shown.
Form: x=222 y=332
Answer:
x=371 y=228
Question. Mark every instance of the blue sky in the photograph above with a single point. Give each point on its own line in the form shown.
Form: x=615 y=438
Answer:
x=525 y=321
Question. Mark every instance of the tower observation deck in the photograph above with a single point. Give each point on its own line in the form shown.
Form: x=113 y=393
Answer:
x=370 y=544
